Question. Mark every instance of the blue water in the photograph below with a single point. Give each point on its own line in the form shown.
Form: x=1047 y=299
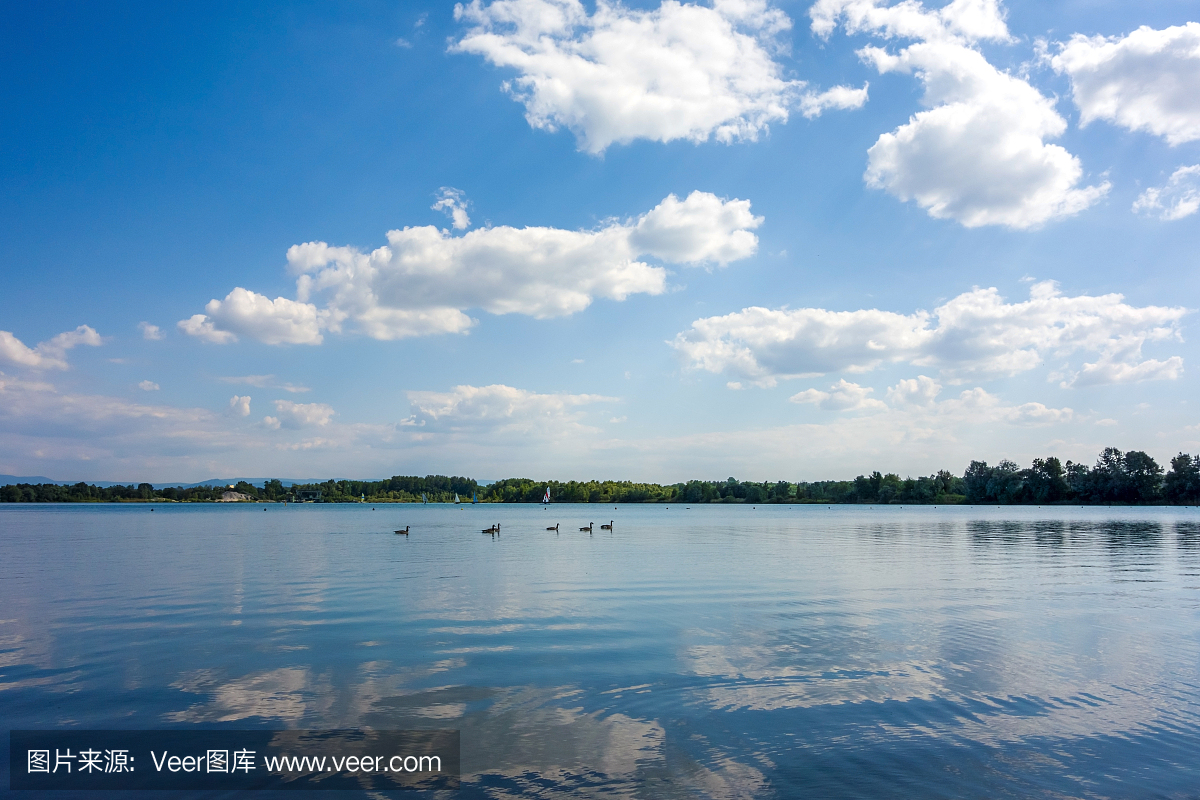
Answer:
x=717 y=651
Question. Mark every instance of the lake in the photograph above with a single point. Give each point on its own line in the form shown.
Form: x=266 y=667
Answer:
x=711 y=651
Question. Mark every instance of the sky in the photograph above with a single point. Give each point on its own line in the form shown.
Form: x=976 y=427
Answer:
x=553 y=239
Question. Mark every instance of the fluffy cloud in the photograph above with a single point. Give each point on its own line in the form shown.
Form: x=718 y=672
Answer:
x=842 y=396
x=424 y=279
x=1179 y=198
x=278 y=321
x=701 y=228
x=453 y=203
x=960 y=20
x=205 y=329
x=150 y=332
x=1145 y=81
x=149 y=386
x=50 y=354
x=976 y=333
x=919 y=391
x=680 y=71
x=979 y=154
x=300 y=415
x=1121 y=362
x=239 y=405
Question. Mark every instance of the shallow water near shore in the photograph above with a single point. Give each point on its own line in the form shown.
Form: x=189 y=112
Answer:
x=711 y=651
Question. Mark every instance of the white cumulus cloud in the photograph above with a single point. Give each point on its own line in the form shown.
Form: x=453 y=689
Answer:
x=246 y=313
x=1146 y=81
x=700 y=228
x=239 y=405
x=975 y=333
x=842 y=396
x=453 y=204
x=1121 y=362
x=150 y=332
x=978 y=155
x=1179 y=198
x=919 y=391
x=50 y=354
x=149 y=386
x=301 y=415
x=424 y=280
x=203 y=328
x=960 y=20
x=678 y=71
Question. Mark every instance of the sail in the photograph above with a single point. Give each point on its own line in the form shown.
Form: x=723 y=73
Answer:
x=546 y=499
x=474 y=499
x=424 y=499
x=456 y=497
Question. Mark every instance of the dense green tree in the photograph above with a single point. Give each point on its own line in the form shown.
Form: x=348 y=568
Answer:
x=976 y=480
x=1143 y=478
x=1006 y=484
x=1046 y=481
x=1182 y=483
x=1132 y=477
x=1108 y=482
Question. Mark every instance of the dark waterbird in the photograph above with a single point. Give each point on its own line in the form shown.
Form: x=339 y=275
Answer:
x=588 y=528
x=405 y=531
x=607 y=527
x=494 y=529
x=555 y=528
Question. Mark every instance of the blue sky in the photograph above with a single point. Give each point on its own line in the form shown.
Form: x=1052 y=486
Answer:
x=777 y=241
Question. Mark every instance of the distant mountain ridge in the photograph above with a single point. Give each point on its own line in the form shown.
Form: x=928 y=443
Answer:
x=6 y=480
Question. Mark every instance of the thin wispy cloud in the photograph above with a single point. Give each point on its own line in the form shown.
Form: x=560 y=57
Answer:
x=263 y=382
x=1178 y=198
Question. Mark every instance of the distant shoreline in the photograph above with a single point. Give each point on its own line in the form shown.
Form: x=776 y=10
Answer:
x=952 y=503
x=1118 y=479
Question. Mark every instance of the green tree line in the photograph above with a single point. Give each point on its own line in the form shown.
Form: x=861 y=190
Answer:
x=1131 y=478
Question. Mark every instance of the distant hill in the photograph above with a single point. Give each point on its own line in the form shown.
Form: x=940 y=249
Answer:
x=9 y=479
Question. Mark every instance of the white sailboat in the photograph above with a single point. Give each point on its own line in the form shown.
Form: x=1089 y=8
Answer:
x=456 y=497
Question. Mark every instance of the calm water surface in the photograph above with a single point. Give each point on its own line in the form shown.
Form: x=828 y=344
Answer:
x=793 y=651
